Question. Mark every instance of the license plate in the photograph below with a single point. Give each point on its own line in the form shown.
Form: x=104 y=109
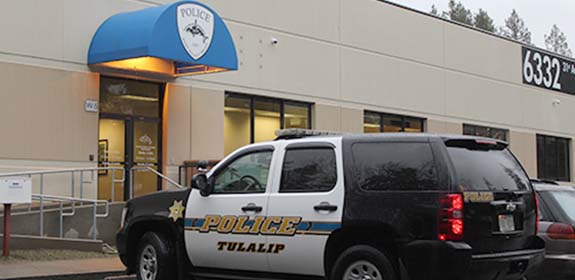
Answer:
x=506 y=223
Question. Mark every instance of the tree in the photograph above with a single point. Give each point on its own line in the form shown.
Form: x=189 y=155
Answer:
x=484 y=21
x=458 y=12
x=516 y=29
x=557 y=42
x=434 y=11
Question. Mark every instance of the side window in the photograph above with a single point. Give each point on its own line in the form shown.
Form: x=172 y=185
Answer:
x=308 y=170
x=398 y=166
x=246 y=174
x=543 y=214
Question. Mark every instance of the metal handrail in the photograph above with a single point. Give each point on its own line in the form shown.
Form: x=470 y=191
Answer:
x=62 y=199
x=157 y=173
x=53 y=171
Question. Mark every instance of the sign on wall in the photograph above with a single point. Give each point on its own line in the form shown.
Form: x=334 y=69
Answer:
x=548 y=71
x=91 y=106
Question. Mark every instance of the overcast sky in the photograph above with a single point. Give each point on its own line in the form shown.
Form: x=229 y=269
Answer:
x=539 y=15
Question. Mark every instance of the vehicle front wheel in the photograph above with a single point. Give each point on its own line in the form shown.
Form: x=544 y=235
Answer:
x=155 y=258
x=362 y=262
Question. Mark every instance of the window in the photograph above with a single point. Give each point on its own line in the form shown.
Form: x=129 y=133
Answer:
x=129 y=97
x=246 y=174
x=390 y=166
x=483 y=169
x=566 y=201
x=249 y=119
x=309 y=170
x=379 y=122
x=484 y=131
x=553 y=155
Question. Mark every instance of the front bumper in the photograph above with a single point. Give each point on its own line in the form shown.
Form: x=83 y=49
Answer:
x=122 y=246
x=431 y=260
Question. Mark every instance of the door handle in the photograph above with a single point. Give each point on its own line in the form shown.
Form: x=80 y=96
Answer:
x=324 y=206
x=252 y=208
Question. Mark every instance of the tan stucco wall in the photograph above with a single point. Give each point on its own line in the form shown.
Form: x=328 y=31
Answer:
x=343 y=63
x=42 y=114
x=524 y=146
x=207 y=124
x=178 y=129
x=337 y=118
x=443 y=127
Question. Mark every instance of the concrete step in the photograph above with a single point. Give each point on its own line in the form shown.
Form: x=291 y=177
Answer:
x=26 y=242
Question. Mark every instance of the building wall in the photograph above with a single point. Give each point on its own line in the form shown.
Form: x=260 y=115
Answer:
x=342 y=55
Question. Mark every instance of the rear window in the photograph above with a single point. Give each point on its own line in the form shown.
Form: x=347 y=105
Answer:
x=395 y=166
x=487 y=168
x=566 y=201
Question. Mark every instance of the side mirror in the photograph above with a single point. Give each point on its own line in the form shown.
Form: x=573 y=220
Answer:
x=201 y=183
x=203 y=165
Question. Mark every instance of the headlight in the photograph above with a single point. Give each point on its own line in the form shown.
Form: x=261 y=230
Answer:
x=123 y=219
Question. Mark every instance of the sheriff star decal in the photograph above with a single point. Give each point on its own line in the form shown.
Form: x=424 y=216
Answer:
x=176 y=210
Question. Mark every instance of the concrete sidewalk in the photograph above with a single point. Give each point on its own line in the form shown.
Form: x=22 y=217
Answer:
x=53 y=269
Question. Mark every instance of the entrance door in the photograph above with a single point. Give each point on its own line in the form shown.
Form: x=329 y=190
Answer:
x=130 y=137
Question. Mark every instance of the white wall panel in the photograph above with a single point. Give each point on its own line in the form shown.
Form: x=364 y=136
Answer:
x=388 y=82
x=317 y=18
x=388 y=29
x=295 y=65
x=473 y=98
x=481 y=54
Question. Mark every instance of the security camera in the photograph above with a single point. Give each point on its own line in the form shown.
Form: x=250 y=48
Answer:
x=556 y=102
x=274 y=41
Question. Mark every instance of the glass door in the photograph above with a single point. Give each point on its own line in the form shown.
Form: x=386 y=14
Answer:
x=111 y=153
x=145 y=150
x=130 y=137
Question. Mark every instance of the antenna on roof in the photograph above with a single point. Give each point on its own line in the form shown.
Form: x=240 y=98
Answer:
x=294 y=133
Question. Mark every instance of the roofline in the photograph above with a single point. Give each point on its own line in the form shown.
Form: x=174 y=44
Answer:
x=475 y=29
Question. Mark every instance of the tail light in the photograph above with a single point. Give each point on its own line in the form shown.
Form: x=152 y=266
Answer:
x=450 y=226
x=561 y=231
x=536 y=213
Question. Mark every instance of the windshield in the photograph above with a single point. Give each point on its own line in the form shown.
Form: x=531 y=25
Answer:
x=487 y=170
x=566 y=200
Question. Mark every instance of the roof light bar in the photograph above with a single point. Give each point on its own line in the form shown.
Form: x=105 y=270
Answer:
x=291 y=133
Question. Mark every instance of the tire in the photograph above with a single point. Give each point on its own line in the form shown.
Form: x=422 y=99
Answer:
x=156 y=258
x=362 y=262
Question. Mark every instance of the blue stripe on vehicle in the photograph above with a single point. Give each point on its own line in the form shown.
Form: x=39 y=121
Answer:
x=325 y=226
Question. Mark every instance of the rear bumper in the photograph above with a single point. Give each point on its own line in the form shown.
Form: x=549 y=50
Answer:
x=556 y=267
x=430 y=260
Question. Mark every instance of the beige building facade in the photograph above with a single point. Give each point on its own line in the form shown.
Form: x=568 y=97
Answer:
x=335 y=64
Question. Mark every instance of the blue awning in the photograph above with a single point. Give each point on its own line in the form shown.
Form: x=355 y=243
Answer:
x=183 y=38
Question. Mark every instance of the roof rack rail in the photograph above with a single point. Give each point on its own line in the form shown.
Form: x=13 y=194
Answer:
x=551 y=182
x=296 y=133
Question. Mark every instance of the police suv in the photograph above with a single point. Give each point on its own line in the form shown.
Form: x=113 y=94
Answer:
x=361 y=207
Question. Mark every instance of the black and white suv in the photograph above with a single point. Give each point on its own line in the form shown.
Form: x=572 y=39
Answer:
x=369 y=207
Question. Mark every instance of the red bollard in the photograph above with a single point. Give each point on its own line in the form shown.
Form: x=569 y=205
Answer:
x=7 y=208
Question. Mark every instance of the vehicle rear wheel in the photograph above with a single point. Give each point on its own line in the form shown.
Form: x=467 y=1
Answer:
x=362 y=262
x=155 y=258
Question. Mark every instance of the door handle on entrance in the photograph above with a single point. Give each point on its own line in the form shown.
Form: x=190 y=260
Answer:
x=252 y=208
x=324 y=206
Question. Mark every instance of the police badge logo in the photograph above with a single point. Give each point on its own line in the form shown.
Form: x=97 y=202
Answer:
x=196 y=28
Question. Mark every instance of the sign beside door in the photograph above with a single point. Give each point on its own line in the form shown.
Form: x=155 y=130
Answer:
x=91 y=106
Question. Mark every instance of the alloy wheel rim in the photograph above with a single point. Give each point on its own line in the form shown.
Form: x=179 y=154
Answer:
x=149 y=263
x=362 y=270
